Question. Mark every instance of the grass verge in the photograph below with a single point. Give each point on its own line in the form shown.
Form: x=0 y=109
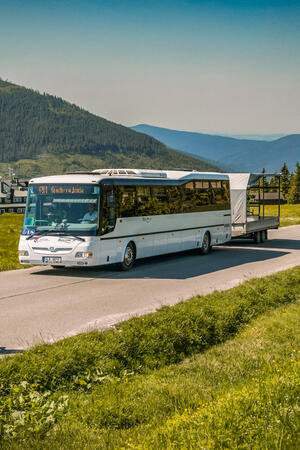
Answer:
x=241 y=394
x=10 y=230
x=107 y=380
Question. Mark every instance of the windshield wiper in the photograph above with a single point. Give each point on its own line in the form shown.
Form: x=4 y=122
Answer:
x=37 y=234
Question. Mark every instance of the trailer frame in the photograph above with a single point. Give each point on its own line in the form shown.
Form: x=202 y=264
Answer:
x=255 y=223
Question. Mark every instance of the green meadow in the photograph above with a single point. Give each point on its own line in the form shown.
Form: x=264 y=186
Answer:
x=217 y=371
x=10 y=230
x=289 y=214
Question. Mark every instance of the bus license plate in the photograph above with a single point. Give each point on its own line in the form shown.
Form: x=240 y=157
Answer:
x=51 y=259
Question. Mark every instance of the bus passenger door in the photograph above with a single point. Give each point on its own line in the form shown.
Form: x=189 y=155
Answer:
x=108 y=216
x=109 y=251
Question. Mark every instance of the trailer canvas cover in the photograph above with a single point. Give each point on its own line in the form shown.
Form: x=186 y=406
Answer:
x=239 y=182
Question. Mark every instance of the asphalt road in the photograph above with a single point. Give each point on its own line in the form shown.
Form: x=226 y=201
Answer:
x=43 y=305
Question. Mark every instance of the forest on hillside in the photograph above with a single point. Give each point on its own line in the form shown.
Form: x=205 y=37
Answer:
x=34 y=126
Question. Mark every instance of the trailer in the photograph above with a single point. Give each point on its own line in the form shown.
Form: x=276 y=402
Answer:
x=247 y=191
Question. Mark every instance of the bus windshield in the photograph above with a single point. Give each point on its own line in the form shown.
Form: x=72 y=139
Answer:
x=71 y=208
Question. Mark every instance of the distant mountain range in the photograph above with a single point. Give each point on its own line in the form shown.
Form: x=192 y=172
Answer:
x=231 y=153
x=256 y=137
x=43 y=134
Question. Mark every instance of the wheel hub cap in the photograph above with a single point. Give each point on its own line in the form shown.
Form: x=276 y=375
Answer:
x=128 y=256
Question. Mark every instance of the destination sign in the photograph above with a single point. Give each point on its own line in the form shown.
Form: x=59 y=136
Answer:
x=54 y=189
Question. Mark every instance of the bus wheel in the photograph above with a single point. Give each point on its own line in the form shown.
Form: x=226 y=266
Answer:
x=206 y=247
x=129 y=257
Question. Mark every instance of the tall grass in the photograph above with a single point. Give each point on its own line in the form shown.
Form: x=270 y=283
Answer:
x=134 y=382
x=242 y=394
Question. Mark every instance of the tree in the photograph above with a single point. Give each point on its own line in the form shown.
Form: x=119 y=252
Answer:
x=294 y=192
x=273 y=184
x=264 y=181
x=285 y=179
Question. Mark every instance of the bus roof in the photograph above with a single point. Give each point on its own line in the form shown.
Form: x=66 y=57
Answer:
x=98 y=175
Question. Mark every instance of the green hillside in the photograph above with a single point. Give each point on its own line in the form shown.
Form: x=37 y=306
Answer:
x=60 y=136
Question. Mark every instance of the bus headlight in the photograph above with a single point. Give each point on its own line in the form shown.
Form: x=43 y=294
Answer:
x=84 y=255
x=23 y=253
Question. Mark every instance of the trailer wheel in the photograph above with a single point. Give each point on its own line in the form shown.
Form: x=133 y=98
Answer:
x=264 y=235
x=206 y=247
x=257 y=237
x=129 y=257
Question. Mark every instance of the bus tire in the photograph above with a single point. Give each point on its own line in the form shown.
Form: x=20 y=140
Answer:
x=205 y=247
x=129 y=257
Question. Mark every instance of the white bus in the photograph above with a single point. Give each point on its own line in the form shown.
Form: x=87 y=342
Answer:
x=119 y=215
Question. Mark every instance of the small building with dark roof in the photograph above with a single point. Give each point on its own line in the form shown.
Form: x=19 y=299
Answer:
x=270 y=198
x=13 y=195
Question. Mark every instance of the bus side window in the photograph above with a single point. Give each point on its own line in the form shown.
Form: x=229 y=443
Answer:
x=174 y=199
x=188 y=198
x=226 y=194
x=126 y=196
x=213 y=192
x=143 y=203
x=202 y=195
x=160 y=200
x=220 y=194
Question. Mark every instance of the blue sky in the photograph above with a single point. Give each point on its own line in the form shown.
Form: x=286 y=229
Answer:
x=207 y=66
